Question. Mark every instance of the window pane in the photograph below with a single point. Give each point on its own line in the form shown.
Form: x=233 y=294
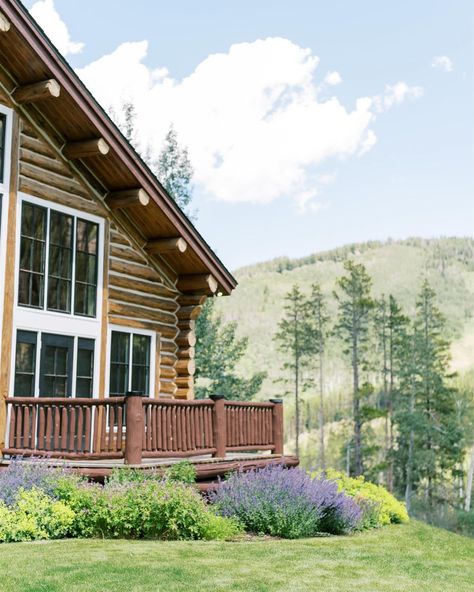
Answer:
x=85 y=288
x=119 y=363
x=32 y=256
x=85 y=368
x=3 y=121
x=25 y=364
x=55 y=371
x=60 y=262
x=141 y=363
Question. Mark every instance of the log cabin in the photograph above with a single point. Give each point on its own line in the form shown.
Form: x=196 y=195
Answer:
x=102 y=277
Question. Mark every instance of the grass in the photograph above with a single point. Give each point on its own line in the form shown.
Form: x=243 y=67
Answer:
x=414 y=557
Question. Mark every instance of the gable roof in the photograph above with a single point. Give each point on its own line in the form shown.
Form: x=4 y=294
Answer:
x=27 y=56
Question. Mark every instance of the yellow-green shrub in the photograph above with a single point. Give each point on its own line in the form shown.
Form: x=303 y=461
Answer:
x=34 y=515
x=385 y=508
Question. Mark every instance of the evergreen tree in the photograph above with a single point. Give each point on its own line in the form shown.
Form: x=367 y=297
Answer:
x=174 y=171
x=355 y=311
x=218 y=350
x=292 y=338
x=391 y=327
x=431 y=442
x=318 y=325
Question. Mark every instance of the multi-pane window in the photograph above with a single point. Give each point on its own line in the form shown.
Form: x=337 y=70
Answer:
x=25 y=364
x=32 y=256
x=3 y=129
x=58 y=261
x=51 y=365
x=86 y=268
x=129 y=363
x=85 y=368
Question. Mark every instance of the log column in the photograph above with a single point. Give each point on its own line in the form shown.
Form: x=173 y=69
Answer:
x=219 y=426
x=135 y=427
x=277 y=424
x=189 y=309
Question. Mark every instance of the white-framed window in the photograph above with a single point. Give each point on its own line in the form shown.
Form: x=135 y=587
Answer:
x=58 y=300
x=131 y=361
x=53 y=365
x=5 y=160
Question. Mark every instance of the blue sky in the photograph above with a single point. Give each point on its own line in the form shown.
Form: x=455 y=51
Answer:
x=272 y=198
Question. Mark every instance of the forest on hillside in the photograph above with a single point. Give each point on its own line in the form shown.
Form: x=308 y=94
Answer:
x=440 y=270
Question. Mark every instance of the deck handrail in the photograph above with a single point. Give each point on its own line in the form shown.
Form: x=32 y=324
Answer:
x=136 y=427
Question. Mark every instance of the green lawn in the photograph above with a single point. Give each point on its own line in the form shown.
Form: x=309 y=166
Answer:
x=413 y=557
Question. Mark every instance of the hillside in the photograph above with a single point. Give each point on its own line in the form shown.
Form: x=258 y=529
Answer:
x=397 y=267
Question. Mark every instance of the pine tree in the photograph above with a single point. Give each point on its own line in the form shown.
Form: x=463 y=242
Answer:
x=318 y=324
x=391 y=326
x=292 y=338
x=355 y=311
x=174 y=170
x=218 y=350
x=430 y=434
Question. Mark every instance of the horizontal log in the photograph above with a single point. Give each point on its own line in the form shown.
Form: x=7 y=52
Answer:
x=192 y=299
x=127 y=254
x=66 y=455
x=45 y=162
x=189 y=313
x=126 y=198
x=4 y=23
x=167 y=372
x=168 y=345
x=86 y=148
x=37 y=145
x=119 y=238
x=165 y=331
x=197 y=282
x=53 y=179
x=167 y=387
x=38 y=189
x=166 y=245
x=187 y=352
x=38 y=91
x=178 y=403
x=151 y=314
x=185 y=394
x=135 y=270
x=185 y=366
x=249 y=447
x=153 y=302
x=56 y=401
x=186 y=339
x=184 y=382
x=168 y=360
x=150 y=287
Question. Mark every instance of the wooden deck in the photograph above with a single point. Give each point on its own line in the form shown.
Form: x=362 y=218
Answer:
x=94 y=436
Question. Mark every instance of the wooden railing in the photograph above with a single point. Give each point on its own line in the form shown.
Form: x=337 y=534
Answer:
x=135 y=427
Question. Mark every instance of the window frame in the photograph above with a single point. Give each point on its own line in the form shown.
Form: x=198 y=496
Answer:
x=74 y=363
x=4 y=204
x=132 y=331
x=77 y=215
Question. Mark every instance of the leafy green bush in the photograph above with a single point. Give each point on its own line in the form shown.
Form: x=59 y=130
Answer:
x=34 y=515
x=182 y=471
x=151 y=509
x=380 y=506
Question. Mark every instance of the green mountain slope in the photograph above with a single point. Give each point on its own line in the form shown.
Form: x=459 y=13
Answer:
x=397 y=267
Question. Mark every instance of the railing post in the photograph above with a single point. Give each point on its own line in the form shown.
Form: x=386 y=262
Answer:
x=219 y=425
x=277 y=418
x=134 y=428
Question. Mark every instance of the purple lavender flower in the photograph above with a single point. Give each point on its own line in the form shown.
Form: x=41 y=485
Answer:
x=26 y=474
x=285 y=502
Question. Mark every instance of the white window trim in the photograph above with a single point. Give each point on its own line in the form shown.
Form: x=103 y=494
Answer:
x=132 y=331
x=5 y=191
x=39 y=336
x=58 y=323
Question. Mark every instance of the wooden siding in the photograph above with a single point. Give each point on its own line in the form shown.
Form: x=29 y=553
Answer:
x=138 y=294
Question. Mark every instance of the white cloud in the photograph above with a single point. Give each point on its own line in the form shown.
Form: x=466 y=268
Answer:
x=333 y=78
x=252 y=119
x=55 y=28
x=396 y=94
x=442 y=63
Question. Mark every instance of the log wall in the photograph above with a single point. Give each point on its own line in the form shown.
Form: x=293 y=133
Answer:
x=138 y=293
